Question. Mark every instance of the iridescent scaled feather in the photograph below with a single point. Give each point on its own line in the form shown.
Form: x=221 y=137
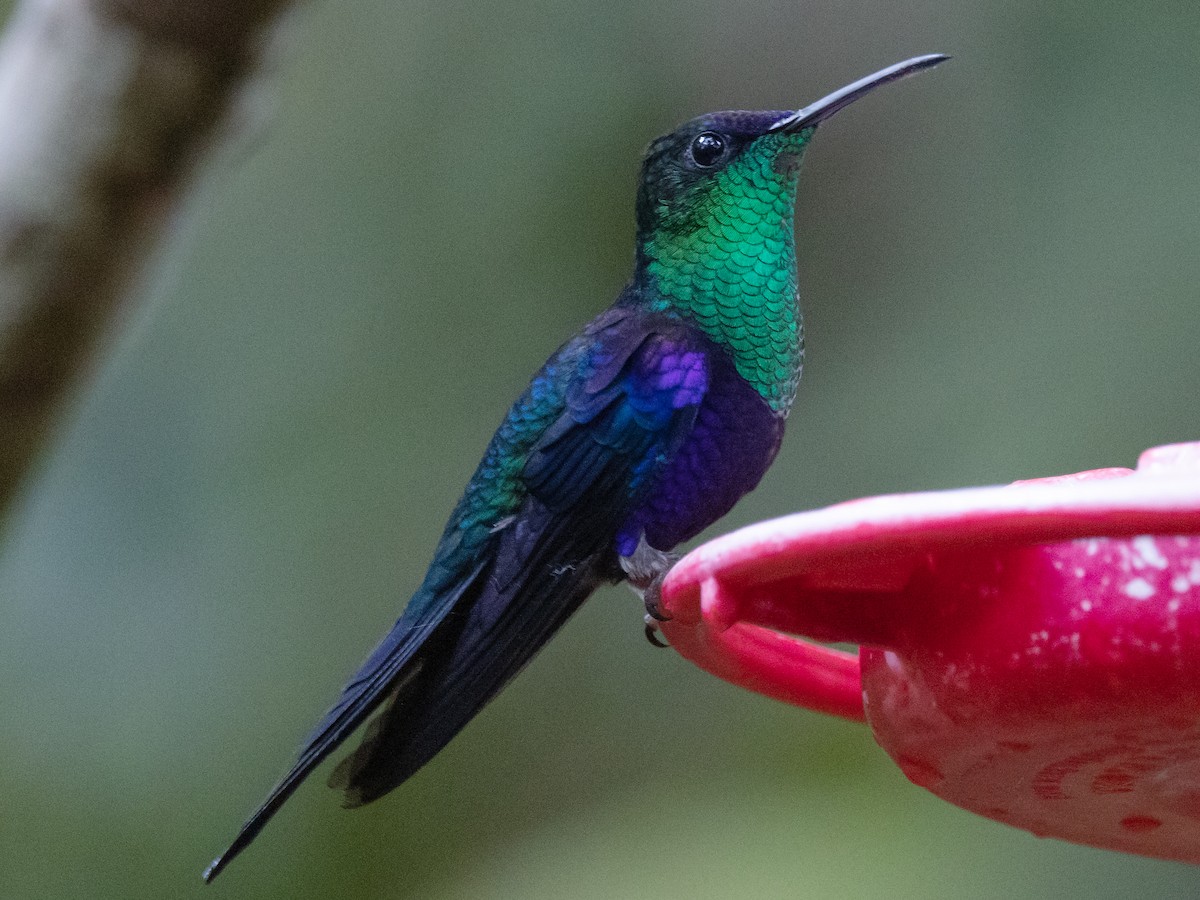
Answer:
x=728 y=262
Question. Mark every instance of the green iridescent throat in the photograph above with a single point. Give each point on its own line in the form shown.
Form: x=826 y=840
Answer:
x=726 y=260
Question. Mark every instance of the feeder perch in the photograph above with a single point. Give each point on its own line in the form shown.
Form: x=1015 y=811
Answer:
x=1030 y=653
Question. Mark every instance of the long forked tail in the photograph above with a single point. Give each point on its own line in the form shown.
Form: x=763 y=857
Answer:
x=508 y=623
x=439 y=668
x=393 y=664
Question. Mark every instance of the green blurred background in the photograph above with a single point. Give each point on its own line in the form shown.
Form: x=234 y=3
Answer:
x=998 y=269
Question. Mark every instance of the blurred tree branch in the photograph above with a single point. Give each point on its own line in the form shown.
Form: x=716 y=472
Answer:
x=108 y=108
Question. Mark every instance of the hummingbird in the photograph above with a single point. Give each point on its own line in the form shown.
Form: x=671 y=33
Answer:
x=637 y=433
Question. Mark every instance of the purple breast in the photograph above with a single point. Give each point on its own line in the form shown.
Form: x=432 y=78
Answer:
x=731 y=445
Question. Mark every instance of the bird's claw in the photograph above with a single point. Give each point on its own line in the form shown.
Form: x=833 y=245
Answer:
x=654 y=633
x=652 y=598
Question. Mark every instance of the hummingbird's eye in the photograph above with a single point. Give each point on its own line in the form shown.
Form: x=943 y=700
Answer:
x=707 y=149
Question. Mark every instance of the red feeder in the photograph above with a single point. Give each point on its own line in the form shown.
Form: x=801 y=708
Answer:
x=1030 y=653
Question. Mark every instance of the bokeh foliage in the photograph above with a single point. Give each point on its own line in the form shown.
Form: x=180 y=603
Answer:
x=998 y=267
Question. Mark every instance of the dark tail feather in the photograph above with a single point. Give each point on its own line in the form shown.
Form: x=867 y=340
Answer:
x=313 y=756
x=393 y=664
x=516 y=613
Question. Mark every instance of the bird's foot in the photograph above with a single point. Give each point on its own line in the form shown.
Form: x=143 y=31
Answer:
x=652 y=599
x=646 y=569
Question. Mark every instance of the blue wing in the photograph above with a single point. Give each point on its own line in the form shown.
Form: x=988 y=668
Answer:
x=511 y=569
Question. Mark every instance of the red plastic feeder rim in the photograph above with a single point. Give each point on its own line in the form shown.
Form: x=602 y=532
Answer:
x=1029 y=652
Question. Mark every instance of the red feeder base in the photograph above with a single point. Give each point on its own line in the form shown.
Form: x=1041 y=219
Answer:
x=1029 y=653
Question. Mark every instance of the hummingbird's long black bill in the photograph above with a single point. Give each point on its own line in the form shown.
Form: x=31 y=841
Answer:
x=818 y=112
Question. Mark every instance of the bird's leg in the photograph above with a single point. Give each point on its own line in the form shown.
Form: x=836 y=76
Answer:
x=645 y=570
